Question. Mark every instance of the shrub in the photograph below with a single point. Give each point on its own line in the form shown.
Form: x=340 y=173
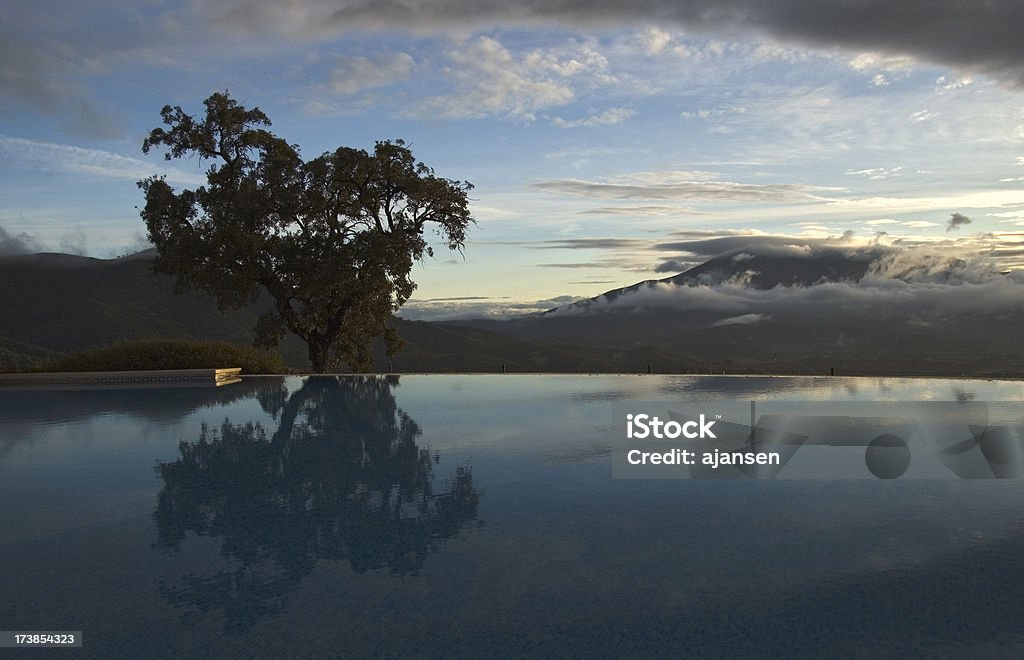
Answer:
x=171 y=354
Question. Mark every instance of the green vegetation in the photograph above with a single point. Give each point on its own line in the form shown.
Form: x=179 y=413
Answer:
x=170 y=354
x=332 y=240
x=21 y=356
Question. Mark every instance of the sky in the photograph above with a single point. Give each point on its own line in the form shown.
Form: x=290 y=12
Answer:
x=608 y=143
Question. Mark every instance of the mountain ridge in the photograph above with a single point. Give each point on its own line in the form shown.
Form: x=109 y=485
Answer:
x=752 y=314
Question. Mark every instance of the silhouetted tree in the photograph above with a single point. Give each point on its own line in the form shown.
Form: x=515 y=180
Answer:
x=332 y=240
x=341 y=478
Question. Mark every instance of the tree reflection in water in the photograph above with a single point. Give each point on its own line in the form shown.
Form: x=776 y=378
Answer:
x=341 y=478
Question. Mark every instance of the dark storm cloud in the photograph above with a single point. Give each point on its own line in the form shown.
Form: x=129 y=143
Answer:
x=957 y=219
x=672 y=266
x=976 y=36
x=710 y=247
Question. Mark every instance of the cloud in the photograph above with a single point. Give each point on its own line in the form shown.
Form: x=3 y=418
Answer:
x=705 y=248
x=655 y=40
x=575 y=264
x=22 y=243
x=673 y=266
x=442 y=309
x=942 y=85
x=42 y=75
x=709 y=113
x=956 y=220
x=606 y=118
x=490 y=80
x=878 y=173
x=640 y=210
x=74 y=241
x=63 y=158
x=353 y=74
x=891 y=66
x=900 y=284
x=742 y=319
x=590 y=244
x=981 y=37
x=721 y=191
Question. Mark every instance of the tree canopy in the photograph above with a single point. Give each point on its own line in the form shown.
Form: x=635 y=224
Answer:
x=332 y=240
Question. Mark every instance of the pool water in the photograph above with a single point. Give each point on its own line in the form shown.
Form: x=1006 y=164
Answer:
x=478 y=516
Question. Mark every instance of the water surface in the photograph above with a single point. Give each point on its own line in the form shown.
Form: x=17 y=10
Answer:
x=475 y=516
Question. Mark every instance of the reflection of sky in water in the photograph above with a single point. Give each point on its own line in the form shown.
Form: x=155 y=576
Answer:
x=559 y=558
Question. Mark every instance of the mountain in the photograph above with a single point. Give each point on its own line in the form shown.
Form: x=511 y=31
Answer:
x=785 y=310
x=65 y=303
x=807 y=309
x=796 y=266
x=58 y=303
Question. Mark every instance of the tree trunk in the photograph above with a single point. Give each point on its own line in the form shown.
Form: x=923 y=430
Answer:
x=318 y=353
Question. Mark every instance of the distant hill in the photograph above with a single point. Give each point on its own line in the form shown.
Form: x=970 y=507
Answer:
x=802 y=310
x=757 y=271
x=57 y=303
x=867 y=311
x=64 y=303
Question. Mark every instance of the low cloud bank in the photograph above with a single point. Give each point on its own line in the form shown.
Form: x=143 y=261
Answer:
x=22 y=243
x=911 y=284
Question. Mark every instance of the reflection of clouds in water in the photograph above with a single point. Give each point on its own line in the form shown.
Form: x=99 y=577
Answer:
x=839 y=389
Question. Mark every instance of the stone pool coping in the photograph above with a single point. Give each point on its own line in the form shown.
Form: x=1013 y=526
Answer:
x=109 y=379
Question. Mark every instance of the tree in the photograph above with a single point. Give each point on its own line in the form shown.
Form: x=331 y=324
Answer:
x=331 y=240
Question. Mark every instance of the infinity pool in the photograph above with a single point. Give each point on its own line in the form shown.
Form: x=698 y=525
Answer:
x=478 y=516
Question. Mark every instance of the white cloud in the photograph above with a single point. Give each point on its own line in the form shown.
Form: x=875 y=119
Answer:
x=640 y=189
x=874 y=61
x=742 y=319
x=68 y=159
x=878 y=173
x=606 y=118
x=657 y=211
x=655 y=40
x=920 y=224
x=944 y=85
x=441 y=309
x=708 y=113
x=491 y=80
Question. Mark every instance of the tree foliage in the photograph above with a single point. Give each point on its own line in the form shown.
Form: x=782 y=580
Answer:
x=332 y=240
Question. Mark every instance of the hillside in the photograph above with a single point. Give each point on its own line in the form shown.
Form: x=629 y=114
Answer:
x=868 y=311
x=60 y=303
x=798 y=310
